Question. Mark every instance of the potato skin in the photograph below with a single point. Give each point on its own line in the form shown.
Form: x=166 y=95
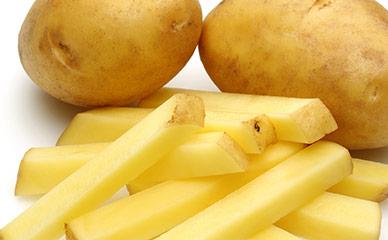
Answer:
x=336 y=50
x=99 y=52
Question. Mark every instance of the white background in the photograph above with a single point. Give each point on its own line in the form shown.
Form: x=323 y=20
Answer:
x=31 y=118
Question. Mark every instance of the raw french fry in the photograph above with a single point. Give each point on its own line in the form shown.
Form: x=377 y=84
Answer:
x=259 y=163
x=368 y=181
x=335 y=217
x=125 y=159
x=206 y=155
x=269 y=197
x=101 y=125
x=152 y=212
x=202 y=155
x=274 y=233
x=41 y=169
x=294 y=119
x=252 y=131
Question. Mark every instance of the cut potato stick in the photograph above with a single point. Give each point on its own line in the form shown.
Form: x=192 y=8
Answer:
x=148 y=214
x=41 y=169
x=274 y=233
x=368 y=181
x=151 y=212
x=269 y=197
x=294 y=119
x=204 y=154
x=252 y=131
x=335 y=217
x=125 y=159
x=101 y=125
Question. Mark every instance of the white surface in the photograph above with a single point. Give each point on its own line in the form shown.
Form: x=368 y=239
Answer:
x=31 y=118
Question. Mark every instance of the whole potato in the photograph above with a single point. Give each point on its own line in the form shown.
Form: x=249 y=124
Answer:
x=101 y=52
x=336 y=50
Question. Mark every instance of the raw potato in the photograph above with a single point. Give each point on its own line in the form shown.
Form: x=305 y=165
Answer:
x=335 y=217
x=101 y=125
x=369 y=181
x=294 y=119
x=41 y=169
x=202 y=155
x=258 y=164
x=149 y=213
x=125 y=159
x=274 y=233
x=269 y=197
x=334 y=50
x=98 y=53
x=254 y=132
x=181 y=199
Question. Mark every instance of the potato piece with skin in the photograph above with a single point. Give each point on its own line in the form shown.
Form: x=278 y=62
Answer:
x=96 y=52
x=369 y=180
x=254 y=132
x=202 y=155
x=335 y=217
x=283 y=48
x=269 y=197
x=295 y=119
x=274 y=233
x=175 y=202
x=125 y=159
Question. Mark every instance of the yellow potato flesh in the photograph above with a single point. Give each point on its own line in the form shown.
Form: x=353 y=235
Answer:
x=202 y=155
x=101 y=125
x=274 y=233
x=294 y=119
x=335 y=217
x=368 y=181
x=252 y=131
x=125 y=159
x=269 y=197
x=151 y=212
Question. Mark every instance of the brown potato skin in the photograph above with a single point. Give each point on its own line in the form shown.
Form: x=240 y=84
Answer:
x=99 y=53
x=336 y=50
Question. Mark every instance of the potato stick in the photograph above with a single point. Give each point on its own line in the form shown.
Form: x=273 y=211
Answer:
x=269 y=197
x=252 y=131
x=368 y=181
x=147 y=214
x=125 y=159
x=335 y=217
x=294 y=119
x=274 y=233
x=202 y=155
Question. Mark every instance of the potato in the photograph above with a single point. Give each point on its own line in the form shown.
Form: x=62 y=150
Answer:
x=334 y=50
x=97 y=53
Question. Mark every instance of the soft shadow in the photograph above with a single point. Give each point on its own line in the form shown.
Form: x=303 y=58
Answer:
x=379 y=154
x=38 y=117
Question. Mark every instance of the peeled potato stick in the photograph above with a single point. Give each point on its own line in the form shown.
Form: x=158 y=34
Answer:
x=369 y=180
x=148 y=214
x=252 y=131
x=294 y=119
x=269 y=197
x=202 y=155
x=274 y=233
x=335 y=217
x=124 y=160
